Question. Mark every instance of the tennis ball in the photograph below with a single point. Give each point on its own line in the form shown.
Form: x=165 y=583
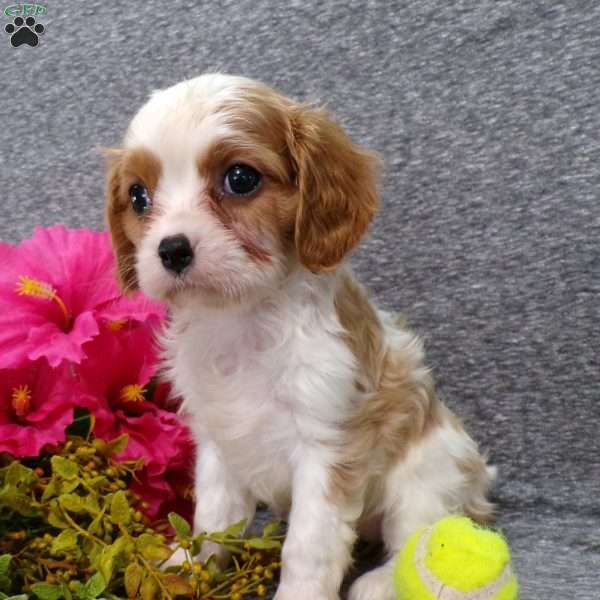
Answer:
x=455 y=559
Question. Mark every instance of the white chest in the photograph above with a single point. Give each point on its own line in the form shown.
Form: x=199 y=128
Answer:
x=263 y=385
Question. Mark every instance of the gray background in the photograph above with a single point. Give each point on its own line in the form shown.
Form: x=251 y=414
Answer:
x=486 y=113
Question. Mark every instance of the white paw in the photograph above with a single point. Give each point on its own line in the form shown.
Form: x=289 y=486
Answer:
x=377 y=584
x=303 y=591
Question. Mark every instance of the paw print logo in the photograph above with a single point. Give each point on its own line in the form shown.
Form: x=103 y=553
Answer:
x=24 y=31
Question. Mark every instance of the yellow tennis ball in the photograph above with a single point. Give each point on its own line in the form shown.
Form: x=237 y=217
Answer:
x=455 y=559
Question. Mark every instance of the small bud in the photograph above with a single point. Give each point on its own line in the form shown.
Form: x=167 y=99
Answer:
x=206 y=576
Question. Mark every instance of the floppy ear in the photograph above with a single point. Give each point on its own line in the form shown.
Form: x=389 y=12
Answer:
x=337 y=183
x=116 y=207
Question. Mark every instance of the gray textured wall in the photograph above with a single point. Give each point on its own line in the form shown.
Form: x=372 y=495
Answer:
x=486 y=113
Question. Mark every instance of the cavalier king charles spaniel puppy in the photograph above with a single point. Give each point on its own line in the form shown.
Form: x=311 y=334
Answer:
x=238 y=208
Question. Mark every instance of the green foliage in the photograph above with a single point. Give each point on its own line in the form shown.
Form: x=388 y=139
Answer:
x=75 y=531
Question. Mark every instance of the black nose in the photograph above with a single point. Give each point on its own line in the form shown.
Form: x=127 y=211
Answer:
x=175 y=253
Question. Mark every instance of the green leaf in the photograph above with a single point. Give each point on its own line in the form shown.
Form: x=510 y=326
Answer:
x=271 y=529
x=5 y=564
x=64 y=467
x=151 y=548
x=149 y=589
x=236 y=529
x=176 y=585
x=120 y=551
x=79 y=590
x=133 y=580
x=95 y=586
x=98 y=482
x=46 y=591
x=16 y=475
x=66 y=591
x=71 y=502
x=11 y=497
x=55 y=516
x=90 y=503
x=180 y=525
x=18 y=597
x=197 y=543
x=119 y=509
x=95 y=527
x=263 y=544
x=66 y=487
x=65 y=541
x=5 y=575
x=50 y=490
x=106 y=560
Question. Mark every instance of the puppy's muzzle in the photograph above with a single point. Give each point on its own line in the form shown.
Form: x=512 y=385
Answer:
x=176 y=253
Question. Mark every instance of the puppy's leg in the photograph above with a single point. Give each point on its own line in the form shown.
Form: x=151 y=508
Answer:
x=221 y=500
x=320 y=536
x=442 y=474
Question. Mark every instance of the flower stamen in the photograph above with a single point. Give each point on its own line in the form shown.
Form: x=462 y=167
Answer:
x=28 y=286
x=117 y=325
x=133 y=393
x=21 y=400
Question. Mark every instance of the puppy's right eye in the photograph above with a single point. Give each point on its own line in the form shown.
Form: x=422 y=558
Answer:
x=140 y=199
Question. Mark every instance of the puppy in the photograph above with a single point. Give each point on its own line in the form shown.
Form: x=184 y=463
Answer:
x=238 y=207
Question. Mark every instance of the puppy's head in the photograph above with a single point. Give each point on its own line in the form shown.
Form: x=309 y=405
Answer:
x=224 y=186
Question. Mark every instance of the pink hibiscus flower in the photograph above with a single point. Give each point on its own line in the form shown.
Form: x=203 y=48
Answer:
x=56 y=290
x=114 y=382
x=36 y=406
x=165 y=483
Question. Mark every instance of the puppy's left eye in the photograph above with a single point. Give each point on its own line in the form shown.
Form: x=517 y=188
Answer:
x=140 y=199
x=241 y=180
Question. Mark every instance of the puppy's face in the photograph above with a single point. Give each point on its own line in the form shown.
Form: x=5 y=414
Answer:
x=223 y=186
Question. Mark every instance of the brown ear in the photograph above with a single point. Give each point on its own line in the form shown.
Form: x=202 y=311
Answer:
x=337 y=182
x=116 y=208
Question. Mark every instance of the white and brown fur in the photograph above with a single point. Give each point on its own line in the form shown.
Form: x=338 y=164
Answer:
x=300 y=392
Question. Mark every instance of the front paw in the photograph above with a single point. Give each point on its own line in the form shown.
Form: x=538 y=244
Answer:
x=374 y=585
x=304 y=590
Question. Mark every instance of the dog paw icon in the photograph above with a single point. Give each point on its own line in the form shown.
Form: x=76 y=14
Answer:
x=24 y=31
